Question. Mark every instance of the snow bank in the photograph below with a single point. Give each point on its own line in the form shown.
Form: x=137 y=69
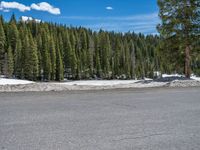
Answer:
x=195 y=78
x=13 y=85
x=4 y=81
x=176 y=76
x=172 y=75
x=100 y=82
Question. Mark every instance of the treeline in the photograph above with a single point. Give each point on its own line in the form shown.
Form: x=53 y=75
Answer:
x=47 y=51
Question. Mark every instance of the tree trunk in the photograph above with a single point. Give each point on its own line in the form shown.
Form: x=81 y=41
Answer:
x=187 y=62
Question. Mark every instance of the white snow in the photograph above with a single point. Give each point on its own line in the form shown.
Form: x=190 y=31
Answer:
x=172 y=75
x=148 y=79
x=100 y=82
x=4 y=81
x=26 y=19
x=111 y=84
x=14 y=85
x=195 y=77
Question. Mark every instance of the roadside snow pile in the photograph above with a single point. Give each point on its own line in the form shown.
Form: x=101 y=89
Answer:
x=179 y=77
x=111 y=84
x=172 y=75
x=13 y=85
x=177 y=80
x=195 y=78
x=4 y=81
x=100 y=82
x=184 y=83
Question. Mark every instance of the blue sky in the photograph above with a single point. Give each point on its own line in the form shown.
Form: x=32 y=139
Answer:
x=111 y=15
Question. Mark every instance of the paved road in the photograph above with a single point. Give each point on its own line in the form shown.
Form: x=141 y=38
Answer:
x=146 y=119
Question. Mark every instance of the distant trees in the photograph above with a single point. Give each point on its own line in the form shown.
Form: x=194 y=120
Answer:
x=46 y=51
x=180 y=31
x=2 y=44
x=9 y=64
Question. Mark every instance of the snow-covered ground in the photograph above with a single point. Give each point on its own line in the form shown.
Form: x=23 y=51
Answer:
x=5 y=81
x=100 y=82
x=175 y=80
x=195 y=78
x=172 y=75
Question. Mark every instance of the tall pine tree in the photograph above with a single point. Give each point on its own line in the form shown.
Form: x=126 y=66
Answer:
x=180 y=27
x=2 y=45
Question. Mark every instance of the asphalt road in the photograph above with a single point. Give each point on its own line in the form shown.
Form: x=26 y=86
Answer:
x=143 y=119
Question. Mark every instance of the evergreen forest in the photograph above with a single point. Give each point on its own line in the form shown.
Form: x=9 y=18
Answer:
x=42 y=51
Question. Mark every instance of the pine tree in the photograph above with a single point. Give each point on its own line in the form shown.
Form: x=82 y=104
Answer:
x=2 y=45
x=13 y=19
x=31 y=57
x=68 y=56
x=90 y=56
x=98 y=70
x=46 y=59
x=13 y=35
x=117 y=51
x=18 y=60
x=105 y=50
x=46 y=51
x=73 y=56
x=34 y=59
x=133 y=59
x=59 y=65
x=53 y=58
x=10 y=63
x=40 y=60
x=127 y=60
x=180 y=26
x=84 y=52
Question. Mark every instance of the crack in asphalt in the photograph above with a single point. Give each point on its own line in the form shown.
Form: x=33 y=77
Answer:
x=141 y=137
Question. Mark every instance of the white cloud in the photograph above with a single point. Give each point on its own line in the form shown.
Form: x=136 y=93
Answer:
x=6 y=6
x=109 y=8
x=4 y=10
x=137 y=27
x=144 y=23
x=44 y=6
x=150 y=17
x=26 y=18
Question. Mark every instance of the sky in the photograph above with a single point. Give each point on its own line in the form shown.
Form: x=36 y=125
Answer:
x=111 y=15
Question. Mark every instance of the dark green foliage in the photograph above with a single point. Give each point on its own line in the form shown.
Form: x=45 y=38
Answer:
x=2 y=45
x=45 y=56
x=180 y=29
x=18 y=59
x=13 y=35
x=45 y=51
x=105 y=53
x=51 y=52
x=53 y=58
x=59 y=65
x=30 y=57
x=9 y=62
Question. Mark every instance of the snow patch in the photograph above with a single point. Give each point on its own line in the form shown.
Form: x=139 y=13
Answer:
x=14 y=85
x=100 y=82
x=194 y=77
x=27 y=19
x=4 y=81
x=172 y=75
